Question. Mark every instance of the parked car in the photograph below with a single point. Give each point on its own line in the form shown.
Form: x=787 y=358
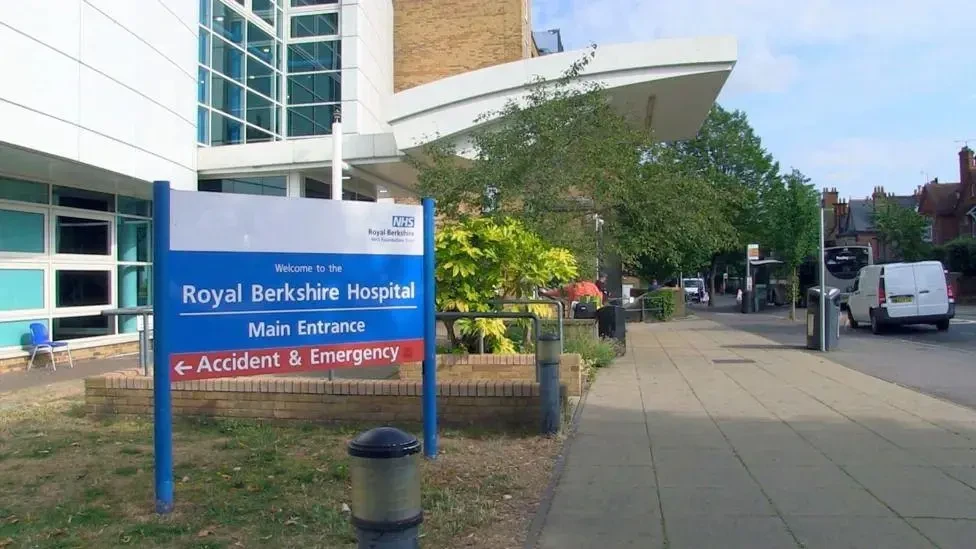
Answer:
x=694 y=289
x=901 y=293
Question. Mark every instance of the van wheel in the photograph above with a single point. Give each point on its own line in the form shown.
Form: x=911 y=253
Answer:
x=876 y=327
x=942 y=325
x=850 y=319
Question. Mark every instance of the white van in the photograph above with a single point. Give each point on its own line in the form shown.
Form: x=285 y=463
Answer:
x=901 y=293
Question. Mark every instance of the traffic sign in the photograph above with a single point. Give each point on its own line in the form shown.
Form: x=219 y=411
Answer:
x=267 y=285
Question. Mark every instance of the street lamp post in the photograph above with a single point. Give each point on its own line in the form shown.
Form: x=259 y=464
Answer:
x=823 y=287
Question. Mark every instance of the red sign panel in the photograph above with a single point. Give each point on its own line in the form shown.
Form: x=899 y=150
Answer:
x=292 y=360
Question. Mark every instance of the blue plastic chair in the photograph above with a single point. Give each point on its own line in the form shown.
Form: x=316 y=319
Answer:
x=41 y=341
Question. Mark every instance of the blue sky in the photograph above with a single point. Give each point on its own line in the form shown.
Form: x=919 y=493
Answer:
x=854 y=93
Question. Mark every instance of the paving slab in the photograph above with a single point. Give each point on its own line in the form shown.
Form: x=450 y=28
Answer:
x=791 y=450
x=729 y=533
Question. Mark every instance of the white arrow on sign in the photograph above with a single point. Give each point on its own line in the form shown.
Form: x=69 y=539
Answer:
x=181 y=368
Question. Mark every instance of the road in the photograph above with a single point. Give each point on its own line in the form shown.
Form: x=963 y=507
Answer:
x=940 y=364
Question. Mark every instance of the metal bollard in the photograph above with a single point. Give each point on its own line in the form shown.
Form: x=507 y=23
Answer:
x=386 y=508
x=548 y=370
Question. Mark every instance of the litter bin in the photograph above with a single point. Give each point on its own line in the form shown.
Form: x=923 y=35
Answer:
x=611 y=321
x=584 y=309
x=831 y=323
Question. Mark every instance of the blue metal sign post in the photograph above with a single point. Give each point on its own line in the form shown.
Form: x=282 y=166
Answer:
x=430 y=335
x=162 y=402
x=255 y=285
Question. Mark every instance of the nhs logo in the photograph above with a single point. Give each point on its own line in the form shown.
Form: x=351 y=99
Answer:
x=404 y=221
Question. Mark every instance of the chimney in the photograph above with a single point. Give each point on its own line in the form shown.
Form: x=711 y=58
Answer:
x=879 y=192
x=967 y=165
x=830 y=197
x=840 y=209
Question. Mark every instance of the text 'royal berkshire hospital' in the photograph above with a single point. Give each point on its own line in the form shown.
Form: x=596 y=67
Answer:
x=101 y=97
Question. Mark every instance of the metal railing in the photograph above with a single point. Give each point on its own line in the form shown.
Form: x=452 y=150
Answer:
x=501 y=315
x=145 y=357
x=550 y=302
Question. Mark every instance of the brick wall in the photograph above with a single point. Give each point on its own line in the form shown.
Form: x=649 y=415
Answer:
x=43 y=360
x=497 y=367
x=509 y=404
x=434 y=39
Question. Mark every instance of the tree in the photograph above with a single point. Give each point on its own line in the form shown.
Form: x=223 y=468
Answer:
x=553 y=160
x=729 y=154
x=481 y=259
x=902 y=229
x=793 y=224
x=675 y=225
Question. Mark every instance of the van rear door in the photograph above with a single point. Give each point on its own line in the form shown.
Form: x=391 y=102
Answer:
x=933 y=296
x=899 y=280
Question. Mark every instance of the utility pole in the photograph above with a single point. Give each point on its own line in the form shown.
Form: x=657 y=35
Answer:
x=823 y=288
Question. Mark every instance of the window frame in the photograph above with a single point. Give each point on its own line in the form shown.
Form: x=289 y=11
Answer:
x=21 y=314
x=62 y=211
x=84 y=310
x=34 y=208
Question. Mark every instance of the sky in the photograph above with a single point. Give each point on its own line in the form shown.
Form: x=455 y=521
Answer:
x=853 y=93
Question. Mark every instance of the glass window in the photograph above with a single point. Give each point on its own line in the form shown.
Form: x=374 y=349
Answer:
x=255 y=135
x=86 y=200
x=300 y=3
x=357 y=197
x=134 y=239
x=264 y=9
x=228 y=60
x=319 y=24
x=203 y=126
x=23 y=191
x=260 y=43
x=205 y=13
x=16 y=333
x=203 y=86
x=204 y=48
x=80 y=235
x=74 y=327
x=260 y=112
x=260 y=77
x=317 y=189
x=315 y=56
x=135 y=206
x=321 y=87
x=135 y=285
x=228 y=23
x=21 y=289
x=228 y=97
x=313 y=120
x=280 y=26
x=269 y=185
x=225 y=131
x=82 y=288
x=21 y=232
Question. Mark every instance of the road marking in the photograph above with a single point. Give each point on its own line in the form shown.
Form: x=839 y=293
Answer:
x=962 y=321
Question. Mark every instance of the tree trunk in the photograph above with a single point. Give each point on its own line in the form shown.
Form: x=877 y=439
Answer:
x=711 y=280
x=794 y=279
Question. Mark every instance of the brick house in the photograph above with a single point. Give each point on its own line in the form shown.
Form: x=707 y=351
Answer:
x=951 y=206
x=851 y=221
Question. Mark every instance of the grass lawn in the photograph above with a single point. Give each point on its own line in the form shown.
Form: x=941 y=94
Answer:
x=71 y=481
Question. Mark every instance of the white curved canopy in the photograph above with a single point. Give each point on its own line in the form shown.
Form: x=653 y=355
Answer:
x=665 y=86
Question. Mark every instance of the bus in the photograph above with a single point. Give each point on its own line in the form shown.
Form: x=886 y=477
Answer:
x=841 y=265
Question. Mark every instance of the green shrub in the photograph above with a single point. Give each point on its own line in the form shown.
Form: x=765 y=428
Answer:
x=596 y=352
x=660 y=304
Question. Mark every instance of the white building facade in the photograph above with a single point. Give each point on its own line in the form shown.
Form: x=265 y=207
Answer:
x=101 y=97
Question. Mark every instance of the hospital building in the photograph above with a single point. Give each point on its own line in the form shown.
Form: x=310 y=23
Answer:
x=101 y=97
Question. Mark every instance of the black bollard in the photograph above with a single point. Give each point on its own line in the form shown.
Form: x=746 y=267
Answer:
x=548 y=365
x=386 y=508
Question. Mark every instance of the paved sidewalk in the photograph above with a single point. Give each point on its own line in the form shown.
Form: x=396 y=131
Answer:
x=707 y=437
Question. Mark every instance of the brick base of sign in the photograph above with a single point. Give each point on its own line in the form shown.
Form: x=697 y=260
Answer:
x=506 y=404
x=514 y=367
x=43 y=360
